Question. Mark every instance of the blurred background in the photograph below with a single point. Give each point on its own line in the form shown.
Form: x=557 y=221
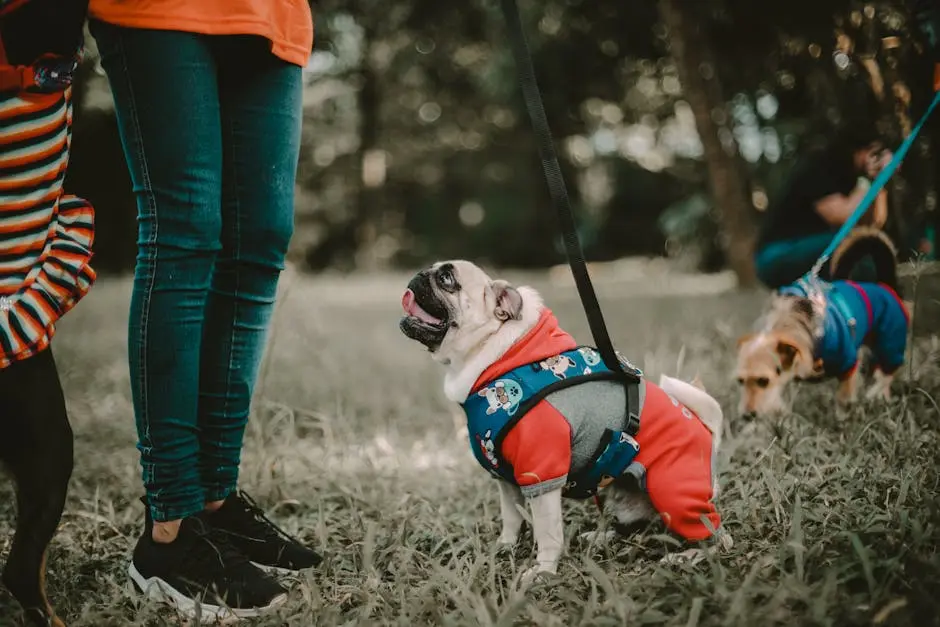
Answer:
x=676 y=122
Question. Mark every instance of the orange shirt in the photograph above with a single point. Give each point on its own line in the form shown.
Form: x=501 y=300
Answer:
x=287 y=24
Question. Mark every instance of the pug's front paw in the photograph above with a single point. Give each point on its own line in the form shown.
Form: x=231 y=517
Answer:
x=537 y=575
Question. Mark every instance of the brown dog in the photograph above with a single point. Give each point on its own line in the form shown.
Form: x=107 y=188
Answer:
x=816 y=331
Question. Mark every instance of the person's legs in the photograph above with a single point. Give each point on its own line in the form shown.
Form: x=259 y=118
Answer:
x=167 y=104
x=166 y=97
x=781 y=263
x=260 y=99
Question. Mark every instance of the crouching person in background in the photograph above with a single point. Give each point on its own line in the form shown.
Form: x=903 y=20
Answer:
x=45 y=248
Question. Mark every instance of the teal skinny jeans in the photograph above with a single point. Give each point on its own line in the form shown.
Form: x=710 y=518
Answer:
x=783 y=262
x=210 y=127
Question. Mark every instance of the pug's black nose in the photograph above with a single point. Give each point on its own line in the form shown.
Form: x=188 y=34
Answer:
x=420 y=281
x=749 y=415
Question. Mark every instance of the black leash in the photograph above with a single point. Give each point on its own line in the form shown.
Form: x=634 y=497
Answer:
x=559 y=194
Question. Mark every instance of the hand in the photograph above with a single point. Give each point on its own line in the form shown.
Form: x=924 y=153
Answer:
x=877 y=163
x=885 y=159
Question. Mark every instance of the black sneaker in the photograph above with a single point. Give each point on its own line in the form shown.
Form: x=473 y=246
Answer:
x=243 y=522
x=202 y=574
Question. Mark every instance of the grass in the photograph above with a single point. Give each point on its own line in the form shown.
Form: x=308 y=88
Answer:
x=354 y=448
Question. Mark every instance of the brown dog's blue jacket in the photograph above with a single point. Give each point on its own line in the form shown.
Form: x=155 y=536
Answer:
x=857 y=314
x=558 y=436
x=45 y=234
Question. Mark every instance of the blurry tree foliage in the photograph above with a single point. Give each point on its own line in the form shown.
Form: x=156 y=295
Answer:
x=676 y=121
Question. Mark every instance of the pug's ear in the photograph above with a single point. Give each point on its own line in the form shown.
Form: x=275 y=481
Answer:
x=508 y=301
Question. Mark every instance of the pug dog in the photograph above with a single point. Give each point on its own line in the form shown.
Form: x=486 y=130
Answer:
x=492 y=338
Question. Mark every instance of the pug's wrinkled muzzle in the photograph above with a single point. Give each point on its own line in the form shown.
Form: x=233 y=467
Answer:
x=425 y=315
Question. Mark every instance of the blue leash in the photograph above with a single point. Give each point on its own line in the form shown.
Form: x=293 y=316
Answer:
x=869 y=198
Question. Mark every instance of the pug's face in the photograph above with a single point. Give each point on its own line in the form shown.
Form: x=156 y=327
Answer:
x=453 y=306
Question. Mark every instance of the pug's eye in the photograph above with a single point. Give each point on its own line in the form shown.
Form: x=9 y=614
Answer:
x=740 y=380
x=446 y=280
x=763 y=382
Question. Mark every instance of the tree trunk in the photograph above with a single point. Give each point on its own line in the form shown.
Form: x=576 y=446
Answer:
x=371 y=166
x=881 y=59
x=700 y=83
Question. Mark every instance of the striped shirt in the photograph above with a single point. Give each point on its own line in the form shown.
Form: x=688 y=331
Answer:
x=45 y=234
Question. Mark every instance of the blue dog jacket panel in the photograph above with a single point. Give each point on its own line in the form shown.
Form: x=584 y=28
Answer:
x=496 y=407
x=856 y=314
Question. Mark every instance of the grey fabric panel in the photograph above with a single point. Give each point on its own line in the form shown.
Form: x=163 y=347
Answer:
x=638 y=472
x=544 y=487
x=590 y=408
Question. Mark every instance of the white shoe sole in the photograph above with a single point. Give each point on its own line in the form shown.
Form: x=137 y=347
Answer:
x=159 y=590
x=277 y=571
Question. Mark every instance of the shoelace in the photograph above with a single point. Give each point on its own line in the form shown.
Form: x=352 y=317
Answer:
x=216 y=545
x=262 y=522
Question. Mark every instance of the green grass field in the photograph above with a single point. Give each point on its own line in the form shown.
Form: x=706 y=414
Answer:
x=354 y=448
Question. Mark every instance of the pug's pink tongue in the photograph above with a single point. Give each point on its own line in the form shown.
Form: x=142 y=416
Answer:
x=408 y=301
x=412 y=308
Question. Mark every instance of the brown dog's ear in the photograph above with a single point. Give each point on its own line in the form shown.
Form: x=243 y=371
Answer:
x=508 y=301
x=804 y=306
x=788 y=352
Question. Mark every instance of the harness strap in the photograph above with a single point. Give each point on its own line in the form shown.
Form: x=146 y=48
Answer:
x=562 y=204
x=540 y=395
